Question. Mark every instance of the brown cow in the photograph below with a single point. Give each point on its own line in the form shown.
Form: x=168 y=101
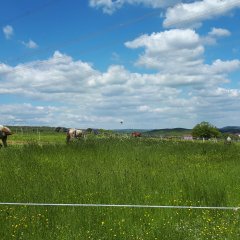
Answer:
x=136 y=134
x=4 y=133
x=73 y=133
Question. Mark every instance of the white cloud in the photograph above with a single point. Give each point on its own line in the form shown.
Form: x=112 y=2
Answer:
x=8 y=31
x=74 y=93
x=178 y=55
x=190 y=14
x=30 y=44
x=219 y=32
x=110 y=6
x=47 y=115
x=220 y=92
x=214 y=34
x=167 y=40
x=174 y=51
x=220 y=66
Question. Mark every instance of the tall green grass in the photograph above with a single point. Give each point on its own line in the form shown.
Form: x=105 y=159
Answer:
x=37 y=137
x=113 y=171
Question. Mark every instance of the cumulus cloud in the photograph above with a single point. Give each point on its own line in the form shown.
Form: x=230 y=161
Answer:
x=174 y=51
x=219 y=32
x=220 y=66
x=110 y=6
x=214 y=34
x=178 y=54
x=8 y=31
x=191 y=14
x=74 y=93
x=180 y=13
x=30 y=44
x=47 y=115
x=47 y=79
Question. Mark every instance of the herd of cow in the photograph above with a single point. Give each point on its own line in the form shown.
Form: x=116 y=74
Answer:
x=71 y=134
x=74 y=133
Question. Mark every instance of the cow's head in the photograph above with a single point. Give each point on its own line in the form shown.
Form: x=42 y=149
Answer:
x=6 y=131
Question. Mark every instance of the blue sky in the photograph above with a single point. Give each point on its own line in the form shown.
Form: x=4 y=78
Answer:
x=151 y=64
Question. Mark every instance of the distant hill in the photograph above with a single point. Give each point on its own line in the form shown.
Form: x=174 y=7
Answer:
x=185 y=131
x=131 y=130
x=230 y=129
x=157 y=132
x=169 y=132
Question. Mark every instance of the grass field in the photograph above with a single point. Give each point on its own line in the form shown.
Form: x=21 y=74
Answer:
x=37 y=137
x=114 y=171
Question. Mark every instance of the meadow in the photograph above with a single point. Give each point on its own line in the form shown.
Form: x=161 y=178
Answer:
x=119 y=171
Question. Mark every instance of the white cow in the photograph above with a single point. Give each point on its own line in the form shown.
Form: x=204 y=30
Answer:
x=229 y=140
x=4 y=133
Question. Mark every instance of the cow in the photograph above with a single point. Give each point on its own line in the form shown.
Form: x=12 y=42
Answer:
x=4 y=133
x=74 y=133
x=228 y=140
x=136 y=134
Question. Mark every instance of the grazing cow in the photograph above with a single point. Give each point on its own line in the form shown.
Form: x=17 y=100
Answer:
x=136 y=134
x=4 y=133
x=228 y=140
x=74 y=133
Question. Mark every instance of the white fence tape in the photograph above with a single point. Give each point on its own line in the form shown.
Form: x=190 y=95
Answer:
x=117 y=205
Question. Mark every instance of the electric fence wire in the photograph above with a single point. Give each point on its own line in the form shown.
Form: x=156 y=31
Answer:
x=119 y=206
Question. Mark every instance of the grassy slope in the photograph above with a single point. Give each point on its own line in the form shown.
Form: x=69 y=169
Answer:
x=120 y=172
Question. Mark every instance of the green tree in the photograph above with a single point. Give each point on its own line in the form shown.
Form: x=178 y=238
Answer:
x=205 y=130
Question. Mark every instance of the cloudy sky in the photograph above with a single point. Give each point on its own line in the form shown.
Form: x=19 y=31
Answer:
x=95 y=63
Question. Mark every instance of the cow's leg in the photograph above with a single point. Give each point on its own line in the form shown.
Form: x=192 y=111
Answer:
x=68 y=138
x=4 y=140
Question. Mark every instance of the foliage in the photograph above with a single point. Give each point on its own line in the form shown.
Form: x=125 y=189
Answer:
x=205 y=130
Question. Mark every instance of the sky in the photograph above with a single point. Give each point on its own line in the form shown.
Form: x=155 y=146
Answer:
x=120 y=63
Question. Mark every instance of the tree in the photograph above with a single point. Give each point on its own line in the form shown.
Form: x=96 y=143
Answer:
x=205 y=130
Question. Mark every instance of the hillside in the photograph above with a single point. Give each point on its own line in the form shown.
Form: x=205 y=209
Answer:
x=168 y=132
x=230 y=129
x=131 y=130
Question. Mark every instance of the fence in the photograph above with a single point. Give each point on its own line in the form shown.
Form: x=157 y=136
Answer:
x=119 y=206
